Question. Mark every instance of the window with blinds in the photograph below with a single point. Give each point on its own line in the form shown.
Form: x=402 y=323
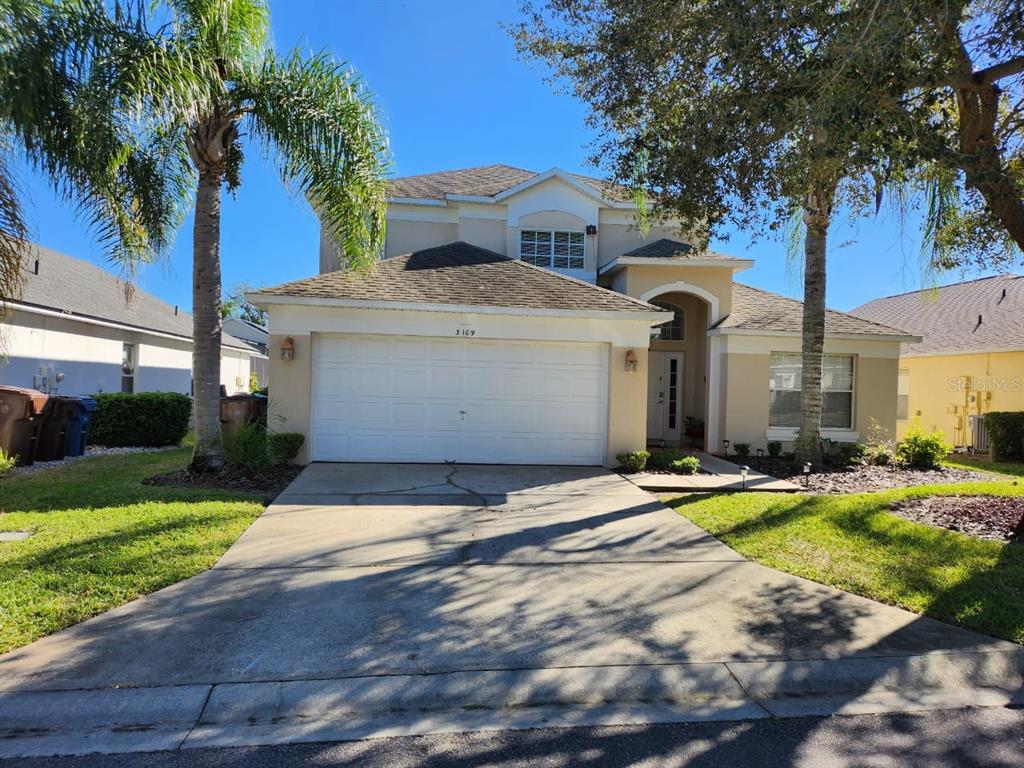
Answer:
x=784 y=386
x=554 y=249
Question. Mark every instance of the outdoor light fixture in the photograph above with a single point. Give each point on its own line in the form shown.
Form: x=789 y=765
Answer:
x=726 y=444
x=288 y=349
x=807 y=475
x=760 y=452
x=631 y=361
x=743 y=475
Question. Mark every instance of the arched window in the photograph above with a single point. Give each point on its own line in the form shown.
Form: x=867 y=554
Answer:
x=676 y=329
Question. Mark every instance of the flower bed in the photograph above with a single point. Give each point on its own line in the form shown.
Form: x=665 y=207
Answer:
x=1000 y=518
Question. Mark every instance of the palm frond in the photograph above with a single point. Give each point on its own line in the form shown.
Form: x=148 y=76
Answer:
x=81 y=88
x=319 y=122
x=13 y=236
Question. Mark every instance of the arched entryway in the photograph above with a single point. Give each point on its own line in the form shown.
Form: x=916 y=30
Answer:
x=678 y=380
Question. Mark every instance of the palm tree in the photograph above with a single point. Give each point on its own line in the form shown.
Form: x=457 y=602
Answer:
x=59 y=96
x=200 y=79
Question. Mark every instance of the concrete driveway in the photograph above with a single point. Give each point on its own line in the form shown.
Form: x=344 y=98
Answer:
x=377 y=600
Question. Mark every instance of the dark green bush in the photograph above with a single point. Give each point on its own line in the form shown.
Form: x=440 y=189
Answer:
x=774 y=449
x=246 y=447
x=1006 y=435
x=634 y=461
x=283 y=447
x=742 y=449
x=922 y=450
x=140 y=419
x=688 y=465
x=842 y=455
x=663 y=458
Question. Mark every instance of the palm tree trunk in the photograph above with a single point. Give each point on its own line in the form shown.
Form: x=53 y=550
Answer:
x=208 y=454
x=817 y=212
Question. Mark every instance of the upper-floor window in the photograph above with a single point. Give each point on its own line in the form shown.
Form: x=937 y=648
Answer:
x=674 y=330
x=552 y=248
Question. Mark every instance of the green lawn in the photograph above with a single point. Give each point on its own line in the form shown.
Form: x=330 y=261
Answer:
x=964 y=461
x=102 y=538
x=853 y=543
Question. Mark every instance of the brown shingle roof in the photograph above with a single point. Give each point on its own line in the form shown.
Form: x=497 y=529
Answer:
x=462 y=274
x=673 y=249
x=485 y=180
x=947 y=318
x=755 y=309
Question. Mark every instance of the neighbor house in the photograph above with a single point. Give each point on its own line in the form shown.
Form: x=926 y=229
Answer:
x=971 y=357
x=74 y=329
x=522 y=317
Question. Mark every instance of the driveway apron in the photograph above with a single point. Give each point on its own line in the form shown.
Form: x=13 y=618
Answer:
x=377 y=600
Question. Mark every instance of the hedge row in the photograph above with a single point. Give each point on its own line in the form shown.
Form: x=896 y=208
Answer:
x=140 y=419
x=1006 y=435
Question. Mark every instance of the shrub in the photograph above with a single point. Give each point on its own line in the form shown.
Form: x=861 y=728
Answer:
x=922 y=450
x=283 y=447
x=246 y=447
x=150 y=419
x=879 y=450
x=634 y=461
x=688 y=465
x=663 y=458
x=1006 y=435
x=6 y=462
x=742 y=449
x=775 y=449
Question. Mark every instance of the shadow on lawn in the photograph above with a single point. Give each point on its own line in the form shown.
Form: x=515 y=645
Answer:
x=497 y=610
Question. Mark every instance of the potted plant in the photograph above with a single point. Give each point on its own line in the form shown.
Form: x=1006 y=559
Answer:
x=694 y=428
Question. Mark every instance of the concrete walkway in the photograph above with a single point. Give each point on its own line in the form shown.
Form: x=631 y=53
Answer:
x=716 y=475
x=375 y=600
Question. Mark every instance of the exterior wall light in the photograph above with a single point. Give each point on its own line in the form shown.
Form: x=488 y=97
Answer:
x=288 y=349
x=631 y=361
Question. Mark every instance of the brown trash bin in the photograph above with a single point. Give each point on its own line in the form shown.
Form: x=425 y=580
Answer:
x=237 y=410
x=22 y=412
x=52 y=443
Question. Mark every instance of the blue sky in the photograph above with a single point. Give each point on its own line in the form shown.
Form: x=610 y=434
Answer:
x=454 y=95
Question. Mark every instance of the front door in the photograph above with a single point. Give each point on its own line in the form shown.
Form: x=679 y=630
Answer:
x=664 y=396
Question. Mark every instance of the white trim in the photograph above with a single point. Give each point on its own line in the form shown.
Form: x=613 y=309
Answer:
x=551 y=241
x=911 y=355
x=715 y=355
x=112 y=324
x=553 y=173
x=417 y=201
x=639 y=314
x=847 y=336
x=736 y=265
x=454 y=198
x=790 y=433
x=681 y=286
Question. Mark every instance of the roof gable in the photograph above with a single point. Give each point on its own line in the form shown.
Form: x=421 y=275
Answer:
x=973 y=316
x=494 y=181
x=460 y=274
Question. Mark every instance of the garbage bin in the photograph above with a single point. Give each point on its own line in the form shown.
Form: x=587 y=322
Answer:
x=237 y=410
x=78 y=429
x=52 y=444
x=21 y=415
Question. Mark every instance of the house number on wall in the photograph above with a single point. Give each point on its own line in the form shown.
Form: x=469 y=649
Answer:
x=465 y=332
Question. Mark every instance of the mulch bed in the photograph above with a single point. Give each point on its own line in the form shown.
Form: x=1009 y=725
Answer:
x=860 y=478
x=1000 y=518
x=269 y=483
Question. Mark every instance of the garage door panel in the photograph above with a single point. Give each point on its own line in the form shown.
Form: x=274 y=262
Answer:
x=467 y=400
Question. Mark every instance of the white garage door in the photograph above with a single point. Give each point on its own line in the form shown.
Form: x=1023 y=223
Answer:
x=406 y=399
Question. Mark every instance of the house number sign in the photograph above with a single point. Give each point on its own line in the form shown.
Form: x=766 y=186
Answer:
x=465 y=332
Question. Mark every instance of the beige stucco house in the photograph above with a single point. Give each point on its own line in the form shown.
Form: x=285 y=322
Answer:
x=521 y=317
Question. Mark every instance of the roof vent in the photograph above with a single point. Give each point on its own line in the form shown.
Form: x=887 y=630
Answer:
x=979 y=322
x=1003 y=297
x=175 y=310
x=35 y=267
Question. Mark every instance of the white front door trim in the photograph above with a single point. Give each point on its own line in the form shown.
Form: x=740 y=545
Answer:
x=681 y=286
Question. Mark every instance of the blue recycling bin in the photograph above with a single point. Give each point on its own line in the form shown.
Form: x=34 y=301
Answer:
x=78 y=428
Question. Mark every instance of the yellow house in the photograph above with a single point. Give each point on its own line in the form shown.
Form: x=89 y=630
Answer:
x=523 y=317
x=971 y=358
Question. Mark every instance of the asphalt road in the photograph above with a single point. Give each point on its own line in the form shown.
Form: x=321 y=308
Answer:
x=989 y=738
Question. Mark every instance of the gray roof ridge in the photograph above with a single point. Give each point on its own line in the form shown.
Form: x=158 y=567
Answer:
x=1001 y=275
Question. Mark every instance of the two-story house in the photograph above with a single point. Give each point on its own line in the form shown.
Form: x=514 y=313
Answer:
x=521 y=317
